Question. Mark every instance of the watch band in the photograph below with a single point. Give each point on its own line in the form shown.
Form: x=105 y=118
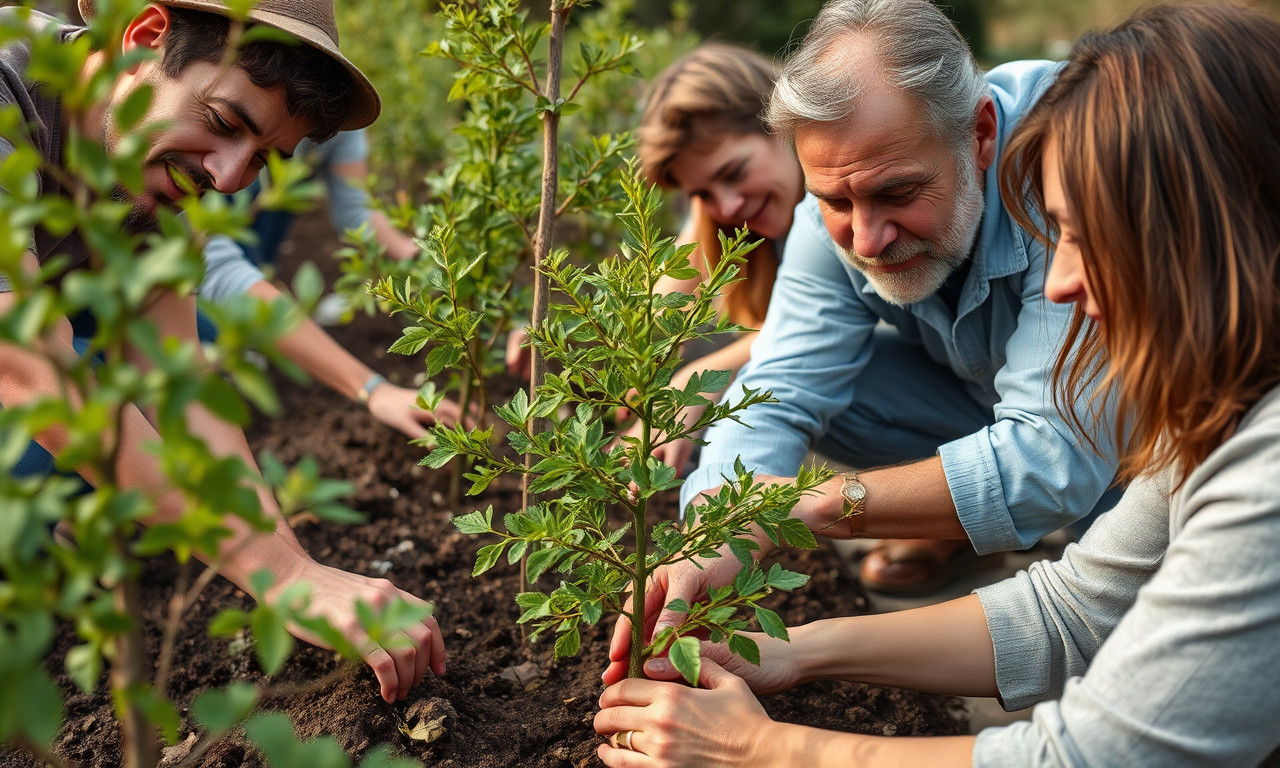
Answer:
x=366 y=391
x=854 y=495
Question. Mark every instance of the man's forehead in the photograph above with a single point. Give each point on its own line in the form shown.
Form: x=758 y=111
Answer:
x=886 y=136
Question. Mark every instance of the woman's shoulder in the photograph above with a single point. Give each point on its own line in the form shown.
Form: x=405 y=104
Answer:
x=1245 y=470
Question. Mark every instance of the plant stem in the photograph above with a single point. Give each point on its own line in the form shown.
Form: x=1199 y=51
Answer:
x=138 y=745
x=636 y=668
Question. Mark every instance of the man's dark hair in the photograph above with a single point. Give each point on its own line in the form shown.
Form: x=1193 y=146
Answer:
x=316 y=88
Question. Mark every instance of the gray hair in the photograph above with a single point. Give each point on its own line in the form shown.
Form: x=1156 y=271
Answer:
x=917 y=49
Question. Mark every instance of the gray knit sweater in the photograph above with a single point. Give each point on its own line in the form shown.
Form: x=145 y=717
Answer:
x=1155 y=641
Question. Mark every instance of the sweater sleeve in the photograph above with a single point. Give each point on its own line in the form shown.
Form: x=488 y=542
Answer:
x=1187 y=675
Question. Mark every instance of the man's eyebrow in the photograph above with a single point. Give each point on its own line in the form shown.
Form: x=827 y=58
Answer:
x=881 y=188
x=248 y=120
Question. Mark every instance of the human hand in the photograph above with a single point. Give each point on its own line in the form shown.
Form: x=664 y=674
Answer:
x=519 y=356
x=398 y=663
x=397 y=407
x=674 y=726
x=776 y=672
x=689 y=580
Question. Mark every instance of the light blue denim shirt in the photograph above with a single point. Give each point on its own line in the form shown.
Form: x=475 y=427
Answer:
x=1023 y=476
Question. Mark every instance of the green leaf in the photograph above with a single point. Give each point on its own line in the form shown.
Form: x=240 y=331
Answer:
x=771 y=623
x=383 y=757
x=133 y=108
x=35 y=701
x=541 y=560
x=475 y=522
x=162 y=714
x=228 y=622
x=487 y=557
x=796 y=534
x=220 y=709
x=84 y=666
x=686 y=656
x=273 y=641
x=749 y=581
x=567 y=644
x=780 y=578
x=745 y=647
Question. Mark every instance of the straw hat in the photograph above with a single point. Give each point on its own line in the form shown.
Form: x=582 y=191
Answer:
x=312 y=22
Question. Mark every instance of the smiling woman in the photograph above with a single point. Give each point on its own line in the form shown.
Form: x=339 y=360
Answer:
x=702 y=133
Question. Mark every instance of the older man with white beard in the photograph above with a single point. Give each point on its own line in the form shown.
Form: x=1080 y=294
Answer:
x=907 y=326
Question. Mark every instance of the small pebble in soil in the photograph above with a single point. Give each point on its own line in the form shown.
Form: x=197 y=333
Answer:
x=526 y=675
x=379 y=567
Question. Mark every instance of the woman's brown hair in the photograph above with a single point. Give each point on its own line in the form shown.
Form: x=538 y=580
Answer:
x=713 y=92
x=1165 y=129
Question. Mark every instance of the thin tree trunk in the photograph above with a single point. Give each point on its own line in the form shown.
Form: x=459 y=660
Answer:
x=138 y=744
x=546 y=211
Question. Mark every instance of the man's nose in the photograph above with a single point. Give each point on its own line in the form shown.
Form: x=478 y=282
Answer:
x=230 y=168
x=872 y=232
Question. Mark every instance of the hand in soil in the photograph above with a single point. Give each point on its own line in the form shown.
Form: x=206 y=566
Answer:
x=397 y=407
x=718 y=725
x=776 y=672
x=401 y=662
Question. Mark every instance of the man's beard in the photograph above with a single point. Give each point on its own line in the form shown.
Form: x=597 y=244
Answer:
x=940 y=258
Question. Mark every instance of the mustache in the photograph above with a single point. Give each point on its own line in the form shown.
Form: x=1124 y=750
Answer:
x=198 y=177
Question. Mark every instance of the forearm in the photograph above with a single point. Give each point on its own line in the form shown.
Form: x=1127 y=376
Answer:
x=905 y=501
x=399 y=245
x=786 y=745
x=944 y=648
x=317 y=353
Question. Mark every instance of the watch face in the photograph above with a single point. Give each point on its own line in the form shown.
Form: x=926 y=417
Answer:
x=854 y=491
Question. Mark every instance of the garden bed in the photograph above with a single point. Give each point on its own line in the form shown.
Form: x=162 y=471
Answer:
x=538 y=718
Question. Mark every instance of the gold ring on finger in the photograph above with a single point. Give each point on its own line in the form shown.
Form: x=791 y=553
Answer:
x=622 y=740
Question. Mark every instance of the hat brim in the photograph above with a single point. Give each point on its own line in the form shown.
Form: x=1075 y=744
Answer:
x=367 y=104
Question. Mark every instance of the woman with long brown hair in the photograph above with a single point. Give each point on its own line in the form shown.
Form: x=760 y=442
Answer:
x=1152 y=170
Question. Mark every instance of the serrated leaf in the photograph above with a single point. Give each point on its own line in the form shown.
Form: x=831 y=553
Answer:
x=745 y=647
x=475 y=522
x=567 y=644
x=487 y=557
x=796 y=534
x=780 y=578
x=771 y=623
x=686 y=656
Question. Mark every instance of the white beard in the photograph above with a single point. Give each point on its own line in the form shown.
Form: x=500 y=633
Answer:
x=941 y=258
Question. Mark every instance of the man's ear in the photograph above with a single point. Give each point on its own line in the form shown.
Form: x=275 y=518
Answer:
x=148 y=29
x=985 y=133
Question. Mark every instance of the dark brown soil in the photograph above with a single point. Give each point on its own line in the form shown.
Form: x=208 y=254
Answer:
x=497 y=722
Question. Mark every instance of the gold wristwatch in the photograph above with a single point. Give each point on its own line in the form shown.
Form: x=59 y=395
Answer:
x=854 y=494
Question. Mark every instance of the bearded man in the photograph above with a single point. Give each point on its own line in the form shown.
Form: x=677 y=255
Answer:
x=908 y=325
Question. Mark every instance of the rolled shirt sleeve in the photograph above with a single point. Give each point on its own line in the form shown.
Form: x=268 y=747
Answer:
x=227 y=272
x=815 y=341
